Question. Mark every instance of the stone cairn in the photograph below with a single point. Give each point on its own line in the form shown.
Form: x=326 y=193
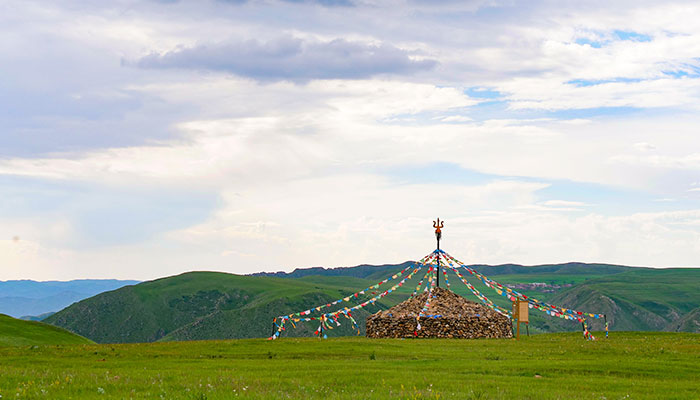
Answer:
x=458 y=318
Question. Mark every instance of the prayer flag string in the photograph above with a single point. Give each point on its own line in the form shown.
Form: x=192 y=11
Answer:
x=296 y=317
x=549 y=309
x=329 y=320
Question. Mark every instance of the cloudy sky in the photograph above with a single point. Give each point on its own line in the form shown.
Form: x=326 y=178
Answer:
x=140 y=139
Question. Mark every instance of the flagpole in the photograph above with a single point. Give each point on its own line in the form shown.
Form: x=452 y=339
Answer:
x=438 y=225
x=438 y=261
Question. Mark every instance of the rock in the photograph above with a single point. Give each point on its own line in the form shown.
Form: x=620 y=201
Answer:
x=458 y=318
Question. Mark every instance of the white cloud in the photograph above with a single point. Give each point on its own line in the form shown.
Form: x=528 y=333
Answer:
x=333 y=231
x=251 y=149
x=563 y=203
x=456 y=118
x=342 y=129
x=644 y=146
x=292 y=58
x=299 y=167
x=688 y=161
x=548 y=94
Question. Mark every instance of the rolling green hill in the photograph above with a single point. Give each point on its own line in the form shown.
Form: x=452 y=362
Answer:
x=203 y=305
x=558 y=278
x=644 y=299
x=17 y=332
x=211 y=305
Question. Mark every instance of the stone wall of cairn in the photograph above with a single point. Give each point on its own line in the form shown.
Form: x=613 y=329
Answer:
x=459 y=318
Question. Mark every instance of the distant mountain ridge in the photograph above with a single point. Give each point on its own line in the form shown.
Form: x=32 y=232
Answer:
x=359 y=271
x=367 y=270
x=28 y=298
x=39 y=317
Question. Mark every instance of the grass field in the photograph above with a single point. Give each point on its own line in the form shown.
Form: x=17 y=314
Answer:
x=553 y=366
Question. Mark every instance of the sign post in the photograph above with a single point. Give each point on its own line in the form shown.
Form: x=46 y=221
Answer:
x=521 y=315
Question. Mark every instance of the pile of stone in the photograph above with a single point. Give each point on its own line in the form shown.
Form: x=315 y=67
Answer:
x=457 y=318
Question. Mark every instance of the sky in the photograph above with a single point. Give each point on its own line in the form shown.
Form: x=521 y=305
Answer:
x=142 y=139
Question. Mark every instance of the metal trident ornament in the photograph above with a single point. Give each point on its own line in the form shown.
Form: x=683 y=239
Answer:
x=438 y=225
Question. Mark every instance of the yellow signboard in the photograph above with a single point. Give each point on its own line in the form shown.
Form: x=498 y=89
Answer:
x=522 y=311
x=521 y=314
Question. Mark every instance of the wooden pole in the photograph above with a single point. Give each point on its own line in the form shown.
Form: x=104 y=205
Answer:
x=605 y=319
x=516 y=318
x=438 y=264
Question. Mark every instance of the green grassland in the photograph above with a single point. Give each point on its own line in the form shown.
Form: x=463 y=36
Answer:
x=17 y=332
x=550 y=366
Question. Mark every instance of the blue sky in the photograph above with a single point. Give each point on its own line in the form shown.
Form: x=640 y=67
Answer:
x=145 y=139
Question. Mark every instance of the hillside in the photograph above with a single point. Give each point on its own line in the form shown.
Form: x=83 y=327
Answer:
x=209 y=305
x=28 y=299
x=557 y=278
x=688 y=323
x=201 y=305
x=16 y=332
x=643 y=299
